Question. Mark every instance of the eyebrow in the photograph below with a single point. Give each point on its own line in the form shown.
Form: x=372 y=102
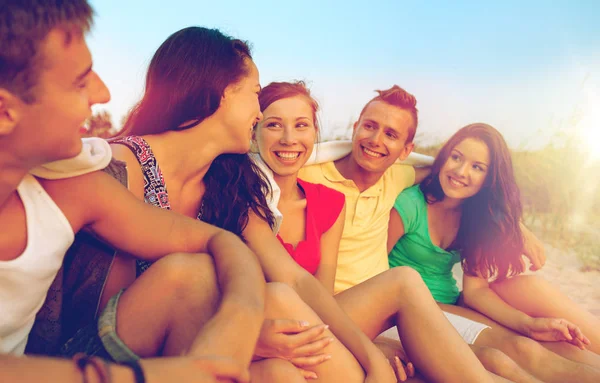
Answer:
x=477 y=162
x=83 y=74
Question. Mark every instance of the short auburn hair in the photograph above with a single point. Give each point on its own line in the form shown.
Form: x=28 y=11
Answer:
x=396 y=96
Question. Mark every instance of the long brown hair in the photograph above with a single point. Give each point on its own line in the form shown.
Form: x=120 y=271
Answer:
x=489 y=237
x=185 y=82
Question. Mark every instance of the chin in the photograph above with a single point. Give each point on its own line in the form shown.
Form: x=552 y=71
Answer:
x=74 y=149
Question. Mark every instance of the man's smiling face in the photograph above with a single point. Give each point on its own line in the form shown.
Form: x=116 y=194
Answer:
x=379 y=137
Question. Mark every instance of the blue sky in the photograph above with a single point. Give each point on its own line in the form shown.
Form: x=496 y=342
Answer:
x=524 y=68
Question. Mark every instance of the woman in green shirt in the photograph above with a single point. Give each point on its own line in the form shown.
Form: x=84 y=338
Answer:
x=469 y=210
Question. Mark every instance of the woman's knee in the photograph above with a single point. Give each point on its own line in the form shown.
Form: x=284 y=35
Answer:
x=494 y=360
x=182 y=273
x=406 y=280
x=525 y=348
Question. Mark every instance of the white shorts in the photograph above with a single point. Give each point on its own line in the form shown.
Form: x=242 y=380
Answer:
x=468 y=329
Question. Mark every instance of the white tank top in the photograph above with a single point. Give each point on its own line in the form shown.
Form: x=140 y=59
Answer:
x=25 y=280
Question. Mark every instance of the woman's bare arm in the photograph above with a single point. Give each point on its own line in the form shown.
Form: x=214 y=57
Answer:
x=395 y=229
x=330 y=245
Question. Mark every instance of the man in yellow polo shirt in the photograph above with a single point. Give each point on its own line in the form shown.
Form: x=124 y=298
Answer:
x=371 y=180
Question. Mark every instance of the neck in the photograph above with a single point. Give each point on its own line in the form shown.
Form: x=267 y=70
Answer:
x=349 y=169
x=13 y=172
x=288 y=186
x=450 y=204
x=185 y=156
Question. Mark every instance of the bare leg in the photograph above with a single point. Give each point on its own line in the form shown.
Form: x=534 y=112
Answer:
x=283 y=302
x=529 y=354
x=502 y=366
x=164 y=309
x=399 y=296
x=573 y=353
x=538 y=298
x=499 y=379
x=275 y=371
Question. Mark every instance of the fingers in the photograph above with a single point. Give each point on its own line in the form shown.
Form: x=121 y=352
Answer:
x=401 y=374
x=307 y=336
x=577 y=343
x=312 y=348
x=288 y=326
x=577 y=333
x=308 y=375
x=310 y=361
x=562 y=328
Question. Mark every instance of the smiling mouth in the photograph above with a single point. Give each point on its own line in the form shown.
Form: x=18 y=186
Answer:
x=287 y=156
x=455 y=182
x=372 y=153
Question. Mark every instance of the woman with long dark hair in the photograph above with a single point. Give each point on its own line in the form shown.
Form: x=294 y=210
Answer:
x=468 y=210
x=185 y=145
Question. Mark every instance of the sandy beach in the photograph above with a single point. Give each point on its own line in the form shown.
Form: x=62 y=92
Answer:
x=563 y=270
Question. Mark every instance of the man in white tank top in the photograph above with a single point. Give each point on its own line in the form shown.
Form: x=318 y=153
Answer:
x=47 y=88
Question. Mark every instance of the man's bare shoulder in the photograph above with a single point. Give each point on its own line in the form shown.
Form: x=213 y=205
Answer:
x=79 y=197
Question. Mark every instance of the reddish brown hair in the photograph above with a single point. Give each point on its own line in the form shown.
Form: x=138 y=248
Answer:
x=489 y=238
x=276 y=91
x=400 y=98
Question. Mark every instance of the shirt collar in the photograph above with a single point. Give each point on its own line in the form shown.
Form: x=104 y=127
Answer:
x=331 y=173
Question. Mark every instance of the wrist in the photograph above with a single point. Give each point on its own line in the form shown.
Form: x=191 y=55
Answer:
x=375 y=359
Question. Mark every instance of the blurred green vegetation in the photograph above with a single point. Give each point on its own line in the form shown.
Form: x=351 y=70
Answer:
x=560 y=191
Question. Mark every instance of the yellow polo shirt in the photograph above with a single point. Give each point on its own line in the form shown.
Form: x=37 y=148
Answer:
x=363 y=248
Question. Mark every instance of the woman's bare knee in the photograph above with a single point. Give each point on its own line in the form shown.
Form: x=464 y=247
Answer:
x=494 y=360
x=525 y=349
x=180 y=272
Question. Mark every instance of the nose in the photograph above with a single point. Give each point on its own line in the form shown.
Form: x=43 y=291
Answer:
x=98 y=92
x=259 y=117
x=462 y=169
x=375 y=138
x=288 y=136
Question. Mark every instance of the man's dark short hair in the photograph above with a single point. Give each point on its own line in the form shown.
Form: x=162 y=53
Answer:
x=24 y=25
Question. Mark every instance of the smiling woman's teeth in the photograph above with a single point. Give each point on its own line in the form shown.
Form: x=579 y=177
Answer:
x=456 y=183
x=287 y=155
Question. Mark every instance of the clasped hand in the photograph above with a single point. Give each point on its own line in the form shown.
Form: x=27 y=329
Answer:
x=296 y=341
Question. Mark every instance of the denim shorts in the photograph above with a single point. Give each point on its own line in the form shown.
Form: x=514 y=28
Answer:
x=101 y=339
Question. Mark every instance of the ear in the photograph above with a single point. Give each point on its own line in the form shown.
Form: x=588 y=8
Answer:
x=406 y=151
x=9 y=112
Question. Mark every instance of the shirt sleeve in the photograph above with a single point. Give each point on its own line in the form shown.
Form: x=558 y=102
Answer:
x=407 y=206
x=403 y=176
x=331 y=203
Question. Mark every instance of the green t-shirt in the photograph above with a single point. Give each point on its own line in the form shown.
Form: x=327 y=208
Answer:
x=415 y=249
